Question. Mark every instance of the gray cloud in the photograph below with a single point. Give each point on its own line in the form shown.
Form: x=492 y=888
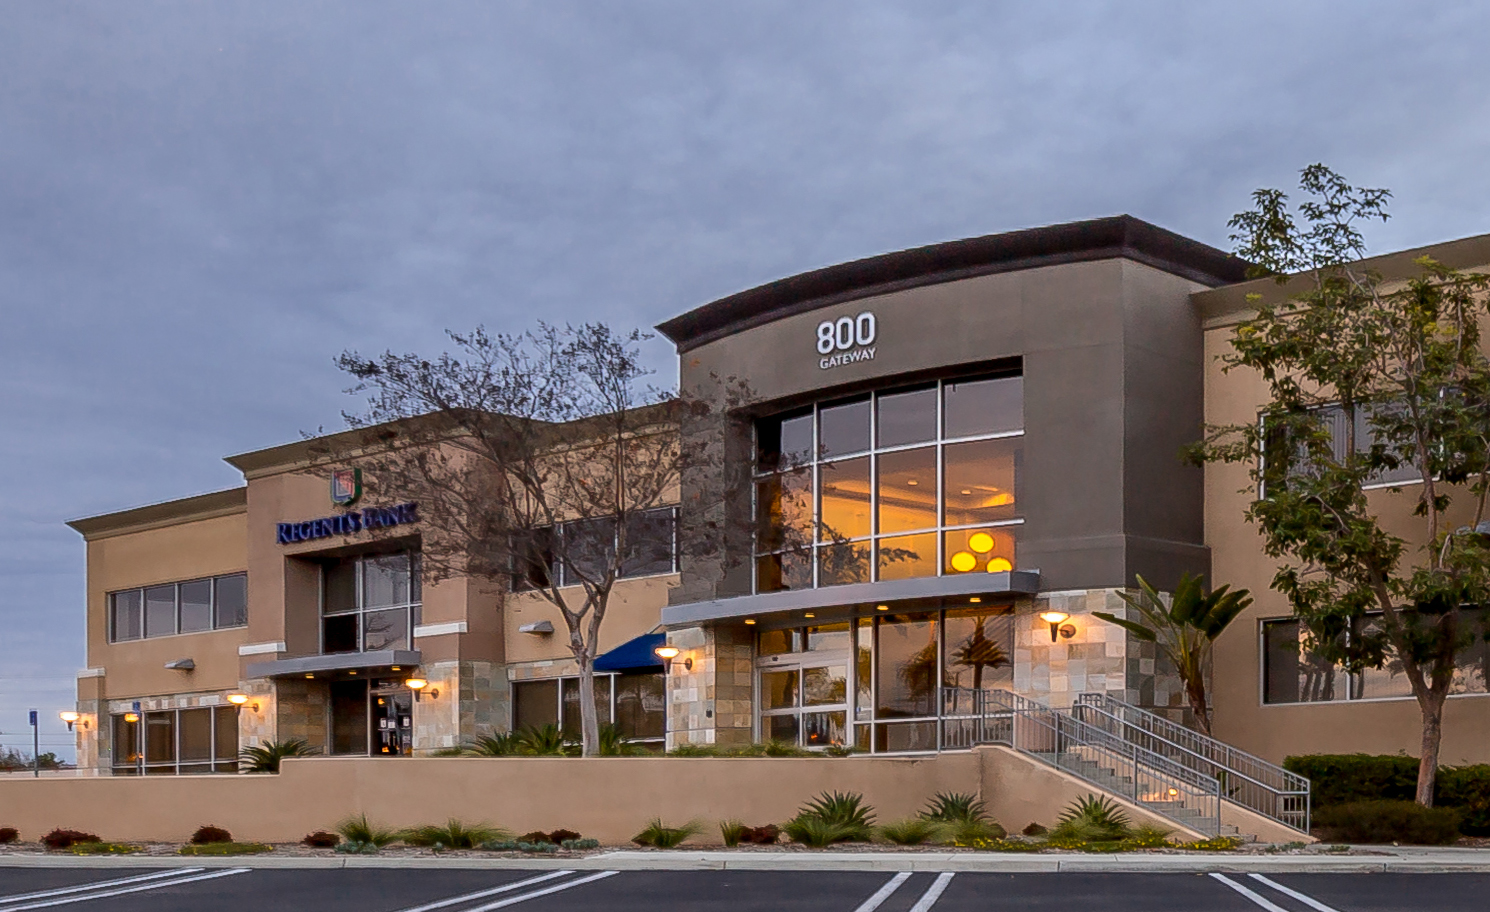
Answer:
x=202 y=203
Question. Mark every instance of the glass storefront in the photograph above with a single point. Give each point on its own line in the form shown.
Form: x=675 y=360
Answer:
x=897 y=484
x=888 y=683
x=370 y=603
x=634 y=702
x=176 y=741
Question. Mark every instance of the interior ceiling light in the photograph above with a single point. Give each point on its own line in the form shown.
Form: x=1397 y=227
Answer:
x=980 y=542
x=1000 y=565
x=963 y=561
x=913 y=482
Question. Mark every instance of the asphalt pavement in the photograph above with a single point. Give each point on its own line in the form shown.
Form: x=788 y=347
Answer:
x=242 y=889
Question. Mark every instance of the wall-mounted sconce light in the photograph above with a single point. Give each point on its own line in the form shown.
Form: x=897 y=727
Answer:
x=538 y=628
x=750 y=620
x=668 y=653
x=131 y=717
x=418 y=685
x=240 y=699
x=1057 y=628
x=71 y=717
x=182 y=665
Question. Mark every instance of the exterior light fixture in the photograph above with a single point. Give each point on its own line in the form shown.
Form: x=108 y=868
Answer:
x=418 y=685
x=750 y=620
x=131 y=717
x=70 y=717
x=1054 y=619
x=1000 y=565
x=881 y=607
x=963 y=561
x=668 y=652
x=1174 y=793
x=238 y=699
x=980 y=542
x=976 y=600
x=309 y=676
x=808 y=614
x=395 y=668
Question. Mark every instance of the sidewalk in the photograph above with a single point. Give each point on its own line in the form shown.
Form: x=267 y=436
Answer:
x=1401 y=860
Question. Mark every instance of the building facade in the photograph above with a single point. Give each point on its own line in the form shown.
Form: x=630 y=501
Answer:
x=936 y=464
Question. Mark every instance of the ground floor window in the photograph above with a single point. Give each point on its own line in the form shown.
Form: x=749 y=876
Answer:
x=889 y=683
x=635 y=703
x=1293 y=672
x=176 y=741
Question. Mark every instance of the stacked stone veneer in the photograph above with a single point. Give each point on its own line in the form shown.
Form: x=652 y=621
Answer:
x=713 y=702
x=474 y=700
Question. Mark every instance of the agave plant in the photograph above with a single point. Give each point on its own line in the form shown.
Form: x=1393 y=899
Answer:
x=614 y=744
x=1185 y=629
x=358 y=831
x=662 y=836
x=1092 y=819
x=453 y=834
x=840 y=807
x=817 y=832
x=503 y=744
x=265 y=758
x=544 y=741
x=955 y=806
x=911 y=830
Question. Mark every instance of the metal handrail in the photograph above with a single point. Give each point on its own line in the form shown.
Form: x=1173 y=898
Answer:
x=1178 y=792
x=1247 y=780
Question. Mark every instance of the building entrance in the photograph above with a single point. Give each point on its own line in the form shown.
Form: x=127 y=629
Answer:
x=371 y=717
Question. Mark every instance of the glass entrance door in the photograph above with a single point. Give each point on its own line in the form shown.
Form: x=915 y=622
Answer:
x=393 y=718
x=804 y=698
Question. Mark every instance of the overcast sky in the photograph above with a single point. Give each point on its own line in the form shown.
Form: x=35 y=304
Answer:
x=202 y=203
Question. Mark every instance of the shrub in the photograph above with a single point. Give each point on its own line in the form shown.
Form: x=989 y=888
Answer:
x=694 y=750
x=579 y=844
x=1214 y=844
x=1035 y=829
x=104 y=848
x=1388 y=821
x=535 y=836
x=1001 y=845
x=359 y=831
x=959 y=831
x=769 y=834
x=65 y=839
x=357 y=848
x=545 y=741
x=817 y=832
x=1466 y=788
x=225 y=848
x=540 y=847
x=449 y=752
x=614 y=744
x=266 y=757
x=955 y=806
x=840 y=807
x=502 y=744
x=1341 y=778
x=9 y=835
x=1148 y=836
x=731 y=830
x=1091 y=819
x=661 y=836
x=321 y=839
x=911 y=831
x=209 y=834
x=453 y=834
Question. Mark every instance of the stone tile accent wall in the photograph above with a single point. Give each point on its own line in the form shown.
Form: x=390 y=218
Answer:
x=712 y=703
x=475 y=700
x=94 y=742
x=301 y=711
x=485 y=699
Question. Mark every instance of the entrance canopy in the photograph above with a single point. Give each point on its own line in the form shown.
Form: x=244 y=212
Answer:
x=633 y=655
x=346 y=661
x=960 y=587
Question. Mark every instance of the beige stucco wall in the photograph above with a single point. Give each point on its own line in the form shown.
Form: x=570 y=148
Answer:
x=610 y=799
x=1275 y=731
x=635 y=608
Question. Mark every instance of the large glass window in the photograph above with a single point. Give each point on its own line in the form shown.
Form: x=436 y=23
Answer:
x=649 y=548
x=874 y=487
x=636 y=703
x=370 y=603
x=176 y=741
x=193 y=606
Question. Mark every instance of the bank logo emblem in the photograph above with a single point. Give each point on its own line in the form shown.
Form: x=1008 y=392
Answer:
x=346 y=487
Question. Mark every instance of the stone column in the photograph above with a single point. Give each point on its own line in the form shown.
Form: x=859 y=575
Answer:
x=711 y=703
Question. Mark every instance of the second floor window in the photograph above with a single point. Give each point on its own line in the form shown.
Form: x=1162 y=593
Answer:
x=370 y=603
x=587 y=545
x=194 y=606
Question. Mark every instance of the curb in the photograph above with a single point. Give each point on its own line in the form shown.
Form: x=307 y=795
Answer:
x=1424 y=863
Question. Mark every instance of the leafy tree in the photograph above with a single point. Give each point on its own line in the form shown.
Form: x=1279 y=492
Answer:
x=533 y=457
x=1185 y=630
x=1370 y=380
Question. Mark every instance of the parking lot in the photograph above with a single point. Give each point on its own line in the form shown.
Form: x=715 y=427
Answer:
x=244 y=889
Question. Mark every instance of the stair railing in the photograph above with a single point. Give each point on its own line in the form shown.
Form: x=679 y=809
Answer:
x=1093 y=754
x=1246 y=780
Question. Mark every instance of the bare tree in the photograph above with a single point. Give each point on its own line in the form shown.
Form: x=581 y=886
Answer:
x=539 y=458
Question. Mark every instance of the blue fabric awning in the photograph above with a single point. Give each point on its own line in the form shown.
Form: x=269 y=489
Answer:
x=633 y=655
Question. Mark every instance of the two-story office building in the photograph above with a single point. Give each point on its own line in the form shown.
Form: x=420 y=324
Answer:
x=937 y=464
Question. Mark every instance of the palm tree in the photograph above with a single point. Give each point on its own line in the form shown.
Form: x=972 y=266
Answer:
x=1185 y=629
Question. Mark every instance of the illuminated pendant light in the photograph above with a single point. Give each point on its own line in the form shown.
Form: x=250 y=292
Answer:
x=981 y=542
x=1000 y=565
x=963 y=561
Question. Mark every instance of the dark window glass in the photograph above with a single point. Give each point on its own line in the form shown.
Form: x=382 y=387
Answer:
x=979 y=653
x=571 y=712
x=824 y=729
x=649 y=543
x=1472 y=664
x=983 y=407
x=849 y=562
x=160 y=737
x=908 y=417
x=641 y=706
x=341 y=587
x=1292 y=673
x=843 y=429
x=783 y=509
x=232 y=600
x=126 y=742
x=589 y=549
x=905 y=736
x=780 y=728
x=535 y=563
x=535 y=704
x=126 y=618
x=196 y=736
x=982 y=480
x=907 y=666
x=843 y=505
x=339 y=633
x=386 y=629
x=349 y=717
x=907 y=490
x=385 y=581
x=226 y=738
x=787 y=570
x=196 y=606
x=160 y=611
x=776 y=642
x=779 y=689
x=782 y=442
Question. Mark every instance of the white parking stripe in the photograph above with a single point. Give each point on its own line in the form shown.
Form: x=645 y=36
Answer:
x=96 y=885
x=482 y=894
x=1306 y=900
x=878 y=899
x=137 y=888
x=510 y=901
x=1248 y=893
x=933 y=892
